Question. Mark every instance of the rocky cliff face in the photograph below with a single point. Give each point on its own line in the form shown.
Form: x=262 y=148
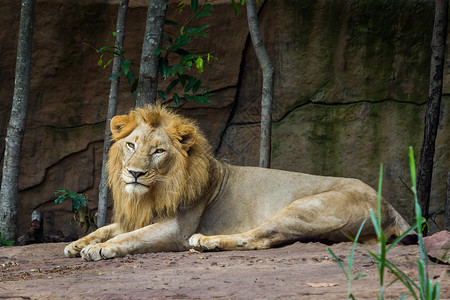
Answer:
x=351 y=83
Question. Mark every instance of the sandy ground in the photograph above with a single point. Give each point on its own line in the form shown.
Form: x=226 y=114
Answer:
x=298 y=271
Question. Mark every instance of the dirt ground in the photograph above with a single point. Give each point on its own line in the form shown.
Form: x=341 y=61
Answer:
x=298 y=271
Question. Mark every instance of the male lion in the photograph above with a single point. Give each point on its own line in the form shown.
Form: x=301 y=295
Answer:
x=171 y=194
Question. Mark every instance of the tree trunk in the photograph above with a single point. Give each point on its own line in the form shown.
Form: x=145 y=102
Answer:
x=148 y=73
x=16 y=126
x=425 y=171
x=112 y=105
x=267 y=89
x=447 y=205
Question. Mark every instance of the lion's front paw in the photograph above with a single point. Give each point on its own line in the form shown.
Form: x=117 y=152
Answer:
x=73 y=249
x=194 y=240
x=100 y=251
x=200 y=242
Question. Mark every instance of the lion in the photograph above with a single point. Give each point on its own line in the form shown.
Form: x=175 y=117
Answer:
x=171 y=194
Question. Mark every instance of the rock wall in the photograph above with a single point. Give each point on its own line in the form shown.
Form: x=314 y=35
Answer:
x=351 y=83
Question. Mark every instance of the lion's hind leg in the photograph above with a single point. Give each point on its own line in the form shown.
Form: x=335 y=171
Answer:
x=321 y=217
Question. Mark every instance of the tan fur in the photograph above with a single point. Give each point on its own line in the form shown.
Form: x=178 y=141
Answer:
x=171 y=194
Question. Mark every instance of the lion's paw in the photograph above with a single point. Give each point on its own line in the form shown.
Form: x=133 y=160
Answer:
x=194 y=240
x=99 y=252
x=73 y=249
x=200 y=242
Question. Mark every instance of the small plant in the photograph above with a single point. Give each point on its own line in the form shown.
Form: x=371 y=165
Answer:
x=81 y=213
x=4 y=241
x=426 y=289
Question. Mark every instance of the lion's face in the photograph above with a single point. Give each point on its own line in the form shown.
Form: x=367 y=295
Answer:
x=146 y=156
x=149 y=151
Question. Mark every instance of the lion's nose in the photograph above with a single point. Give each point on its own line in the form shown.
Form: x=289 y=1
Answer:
x=136 y=174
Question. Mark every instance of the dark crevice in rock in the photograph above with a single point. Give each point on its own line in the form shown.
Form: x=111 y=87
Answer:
x=236 y=97
x=340 y=104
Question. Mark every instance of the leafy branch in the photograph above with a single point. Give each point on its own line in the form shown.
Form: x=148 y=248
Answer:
x=184 y=58
x=125 y=64
x=174 y=49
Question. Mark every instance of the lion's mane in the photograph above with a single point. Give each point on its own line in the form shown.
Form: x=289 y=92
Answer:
x=188 y=178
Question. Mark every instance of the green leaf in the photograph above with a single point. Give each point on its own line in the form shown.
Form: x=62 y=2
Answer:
x=114 y=34
x=172 y=85
x=190 y=84
x=130 y=77
x=169 y=22
x=202 y=14
x=159 y=51
x=134 y=86
x=162 y=95
x=165 y=67
x=199 y=64
x=176 y=99
x=167 y=38
x=208 y=7
x=188 y=97
x=180 y=70
x=183 y=79
x=115 y=75
x=125 y=65
x=187 y=58
x=194 y=5
x=100 y=61
x=108 y=62
x=181 y=52
x=172 y=71
x=60 y=199
x=197 y=86
x=235 y=7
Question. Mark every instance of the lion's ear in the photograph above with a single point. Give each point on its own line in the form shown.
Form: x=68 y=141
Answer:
x=188 y=136
x=121 y=126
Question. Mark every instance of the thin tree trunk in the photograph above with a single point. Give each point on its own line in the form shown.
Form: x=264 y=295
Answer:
x=447 y=205
x=112 y=105
x=148 y=73
x=16 y=126
x=267 y=89
x=424 y=174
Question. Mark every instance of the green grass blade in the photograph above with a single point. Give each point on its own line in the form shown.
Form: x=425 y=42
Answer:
x=338 y=261
x=373 y=218
x=412 y=169
x=350 y=259
x=397 y=240
x=380 y=187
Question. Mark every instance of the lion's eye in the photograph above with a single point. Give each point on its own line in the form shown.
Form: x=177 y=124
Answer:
x=130 y=146
x=159 y=151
